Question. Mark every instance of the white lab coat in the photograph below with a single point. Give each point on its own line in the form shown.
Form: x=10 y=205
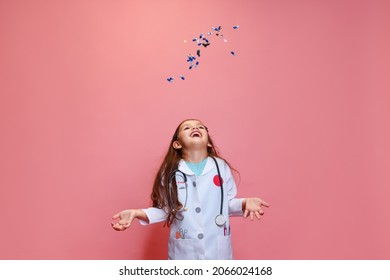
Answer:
x=197 y=236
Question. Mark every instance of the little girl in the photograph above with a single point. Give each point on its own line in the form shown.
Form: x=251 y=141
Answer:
x=194 y=194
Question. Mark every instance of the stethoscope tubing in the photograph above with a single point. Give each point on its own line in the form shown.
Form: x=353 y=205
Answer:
x=173 y=174
x=220 y=181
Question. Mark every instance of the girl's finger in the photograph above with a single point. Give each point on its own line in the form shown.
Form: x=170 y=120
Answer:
x=115 y=227
x=264 y=203
x=246 y=213
x=251 y=214
x=116 y=216
x=258 y=215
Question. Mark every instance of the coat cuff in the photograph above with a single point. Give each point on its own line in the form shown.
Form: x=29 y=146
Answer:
x=235 y=207
x=155 y=215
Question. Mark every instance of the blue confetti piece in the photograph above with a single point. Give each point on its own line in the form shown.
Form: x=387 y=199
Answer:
x=170 y=79
x=182 y=77
x=190 y=67
x=197 y=63
x=233 y=53
x=236 y=27
x=190 y=58
x=195 y=39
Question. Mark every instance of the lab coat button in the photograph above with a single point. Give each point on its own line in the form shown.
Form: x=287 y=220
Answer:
x=194 y=183
x=197 y=209
x=200 y=235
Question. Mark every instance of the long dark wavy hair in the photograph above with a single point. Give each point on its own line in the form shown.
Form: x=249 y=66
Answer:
x=161 y=191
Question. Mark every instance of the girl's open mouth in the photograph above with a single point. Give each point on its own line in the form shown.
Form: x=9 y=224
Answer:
x=195 y=134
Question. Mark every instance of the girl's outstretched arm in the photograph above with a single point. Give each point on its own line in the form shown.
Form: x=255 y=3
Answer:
x=252 y=207
x=126 y=217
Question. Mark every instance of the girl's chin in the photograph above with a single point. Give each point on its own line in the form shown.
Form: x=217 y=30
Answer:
x=196 y=144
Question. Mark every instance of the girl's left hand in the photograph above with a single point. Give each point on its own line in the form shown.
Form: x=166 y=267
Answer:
x=252 y=207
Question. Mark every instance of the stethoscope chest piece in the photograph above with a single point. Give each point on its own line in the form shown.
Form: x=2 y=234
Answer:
x=220 y=220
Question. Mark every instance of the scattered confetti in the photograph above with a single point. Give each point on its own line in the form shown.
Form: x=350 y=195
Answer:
x=203 y=40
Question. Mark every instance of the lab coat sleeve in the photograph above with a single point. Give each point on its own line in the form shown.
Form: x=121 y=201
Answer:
x=235 y=204
x=155 y=215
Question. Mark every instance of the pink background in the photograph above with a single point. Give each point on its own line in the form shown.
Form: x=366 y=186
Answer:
x=302 y=111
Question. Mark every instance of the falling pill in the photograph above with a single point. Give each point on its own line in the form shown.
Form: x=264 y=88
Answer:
x=236 y=27
x=233 y=53
x=182 y=77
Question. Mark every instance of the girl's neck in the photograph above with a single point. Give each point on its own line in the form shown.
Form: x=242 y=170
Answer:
x=195 y=156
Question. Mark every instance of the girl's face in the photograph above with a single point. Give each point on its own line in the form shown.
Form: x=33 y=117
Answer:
x=192 y=133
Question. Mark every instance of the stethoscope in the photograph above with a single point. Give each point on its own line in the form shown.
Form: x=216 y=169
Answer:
x=220 y=219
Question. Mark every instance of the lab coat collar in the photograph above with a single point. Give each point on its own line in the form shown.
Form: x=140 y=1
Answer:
x=210 y=165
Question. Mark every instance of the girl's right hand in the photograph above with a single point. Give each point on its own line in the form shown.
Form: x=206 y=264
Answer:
x=125 y=217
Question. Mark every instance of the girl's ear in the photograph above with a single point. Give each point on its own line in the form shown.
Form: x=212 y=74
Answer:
x=176 y=145
x=209 y=145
